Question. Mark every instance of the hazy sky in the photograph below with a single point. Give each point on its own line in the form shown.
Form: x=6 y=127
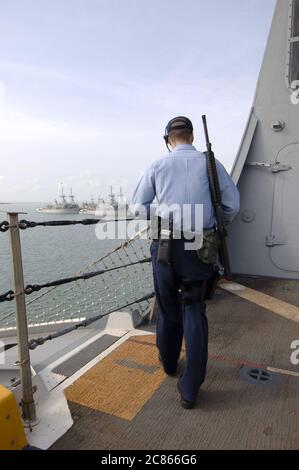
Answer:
x=87 y=86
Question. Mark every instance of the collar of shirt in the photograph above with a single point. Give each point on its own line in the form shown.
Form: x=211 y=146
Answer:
x=184 y=147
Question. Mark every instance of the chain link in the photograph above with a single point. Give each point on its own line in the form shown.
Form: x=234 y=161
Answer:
x=24 y=224
x=8 y=296
x=4 y=226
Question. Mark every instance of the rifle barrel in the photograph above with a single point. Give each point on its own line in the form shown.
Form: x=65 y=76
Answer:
x=217 y=203
x=205 y=126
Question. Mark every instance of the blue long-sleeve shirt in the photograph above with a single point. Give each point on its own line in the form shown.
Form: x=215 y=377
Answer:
x=181 y=179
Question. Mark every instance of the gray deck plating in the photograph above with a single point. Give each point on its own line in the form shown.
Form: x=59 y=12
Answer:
x=77 y=361
x=231 y=413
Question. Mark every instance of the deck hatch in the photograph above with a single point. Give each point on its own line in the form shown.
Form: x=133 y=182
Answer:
x=258 y=376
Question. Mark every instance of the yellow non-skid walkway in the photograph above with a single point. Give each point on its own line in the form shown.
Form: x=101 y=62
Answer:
x=274 y=305
x=123 y=382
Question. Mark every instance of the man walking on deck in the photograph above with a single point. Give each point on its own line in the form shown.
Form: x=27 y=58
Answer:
x=181 y=179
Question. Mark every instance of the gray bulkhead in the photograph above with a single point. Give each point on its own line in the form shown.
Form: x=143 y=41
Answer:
x=264 y=238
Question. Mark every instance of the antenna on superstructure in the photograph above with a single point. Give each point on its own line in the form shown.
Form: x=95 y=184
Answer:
x=71 y=196
x=120 y=195
x=62 y=195
x=112 y=197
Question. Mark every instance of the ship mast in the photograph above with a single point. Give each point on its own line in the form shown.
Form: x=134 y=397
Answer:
x=62 y=195
x=112 y=197
x=120 y=195
x=71 y=196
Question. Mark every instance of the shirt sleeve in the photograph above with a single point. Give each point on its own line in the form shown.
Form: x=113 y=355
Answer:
x=145 y=193
x=229 y=193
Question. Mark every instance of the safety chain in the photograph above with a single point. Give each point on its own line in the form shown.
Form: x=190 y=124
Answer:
x=34 y=343
x=37 y=287
x=8 y=296
x=4 y=226
x=29 y=289
x=24 y=224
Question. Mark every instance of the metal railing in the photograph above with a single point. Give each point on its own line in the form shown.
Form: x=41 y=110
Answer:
x=19 y=292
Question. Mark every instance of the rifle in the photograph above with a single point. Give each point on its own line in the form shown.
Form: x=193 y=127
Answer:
x=217 y=203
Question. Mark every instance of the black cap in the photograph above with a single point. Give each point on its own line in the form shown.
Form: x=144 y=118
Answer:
x=178 y=123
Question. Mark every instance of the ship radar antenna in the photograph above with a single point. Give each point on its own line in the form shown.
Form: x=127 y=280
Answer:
x=71 y=196
x=62 y=195
x=121 y=195
x=112 y=197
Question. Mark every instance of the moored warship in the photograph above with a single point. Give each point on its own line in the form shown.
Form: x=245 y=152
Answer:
x=62 y=207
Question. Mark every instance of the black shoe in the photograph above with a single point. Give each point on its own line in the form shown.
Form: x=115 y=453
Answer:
x=188 y=405
x=167 y=371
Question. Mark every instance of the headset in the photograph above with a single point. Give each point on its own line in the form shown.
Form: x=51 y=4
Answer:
x=172 y=126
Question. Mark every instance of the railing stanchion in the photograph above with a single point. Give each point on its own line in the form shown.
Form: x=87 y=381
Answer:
x=28 y=405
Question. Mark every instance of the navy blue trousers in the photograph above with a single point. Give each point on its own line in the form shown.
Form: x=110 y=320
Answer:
x=182 y=316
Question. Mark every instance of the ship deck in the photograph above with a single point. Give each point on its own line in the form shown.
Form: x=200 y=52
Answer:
x=125 y=401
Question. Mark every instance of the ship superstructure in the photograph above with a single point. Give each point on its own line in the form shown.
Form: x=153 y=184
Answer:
x=266 y=169
x=89 y=207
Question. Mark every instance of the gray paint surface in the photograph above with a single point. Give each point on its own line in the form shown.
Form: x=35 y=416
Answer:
x=263 y=239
